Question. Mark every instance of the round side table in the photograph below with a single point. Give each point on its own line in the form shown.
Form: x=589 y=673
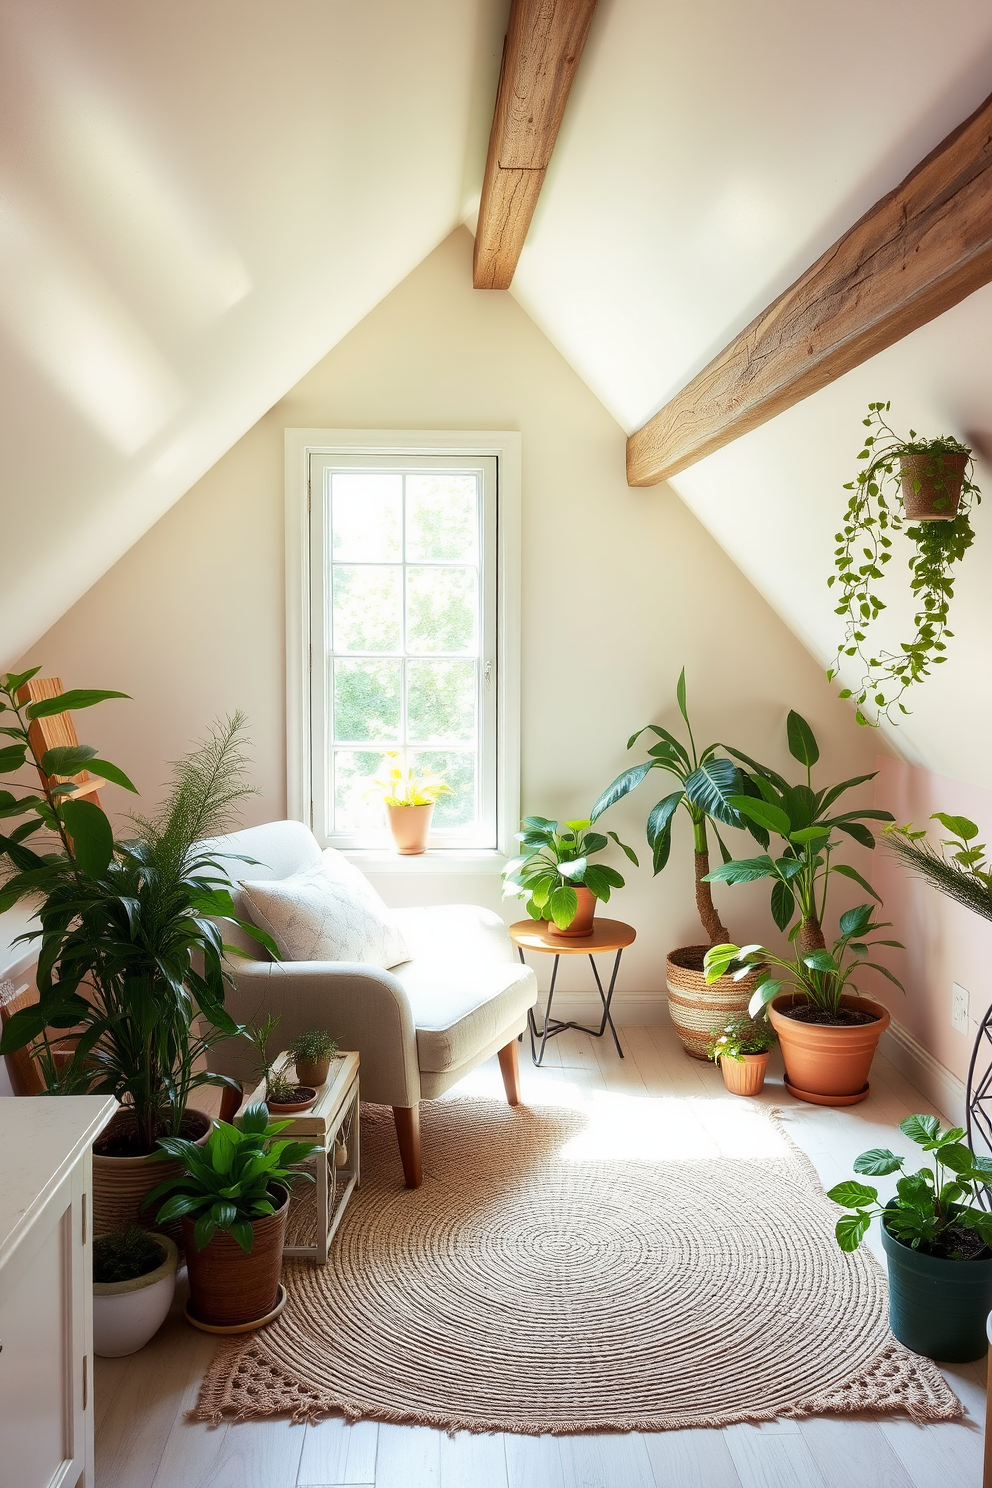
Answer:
x=607 y=935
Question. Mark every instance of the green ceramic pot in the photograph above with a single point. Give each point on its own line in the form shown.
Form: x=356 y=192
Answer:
x=938 y=1307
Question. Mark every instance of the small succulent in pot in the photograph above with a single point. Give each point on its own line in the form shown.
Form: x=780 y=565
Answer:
x=554 y=874
x=312 y=1052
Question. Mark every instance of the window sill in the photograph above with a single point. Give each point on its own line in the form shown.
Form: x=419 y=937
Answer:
x=454 y=862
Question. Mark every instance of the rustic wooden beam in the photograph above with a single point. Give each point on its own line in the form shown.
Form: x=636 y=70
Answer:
x=543 y=45
x=917 y=252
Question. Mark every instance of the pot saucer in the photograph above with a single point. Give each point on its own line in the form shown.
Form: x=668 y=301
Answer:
x=827 y=1100
x=237 y=1327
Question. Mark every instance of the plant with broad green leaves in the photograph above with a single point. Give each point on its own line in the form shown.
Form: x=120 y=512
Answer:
x=739 y=1036
x=556 y=859
x=807 y=824
x=129 y=951
x=934 y=1209
x=402 y=785
x=228 y=1183
x=708 y=784
x=963 y=873
x=891 y=461
x=820 y=977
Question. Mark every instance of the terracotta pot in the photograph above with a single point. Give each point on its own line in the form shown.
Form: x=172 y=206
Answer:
x=410 y=826
x=584 y=914
x=312 y=1071
x=825 y=1065
x=292 y=1108
x=228 y=1288
x=126 y=1314
x=744 y=1076
x=120 y=1184
x=695 y=1008
x=932 y=502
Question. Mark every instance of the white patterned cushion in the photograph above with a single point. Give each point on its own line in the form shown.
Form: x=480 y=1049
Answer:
x=328 y=911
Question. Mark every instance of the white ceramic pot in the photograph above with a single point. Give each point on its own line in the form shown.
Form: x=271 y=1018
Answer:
x=127 y=1313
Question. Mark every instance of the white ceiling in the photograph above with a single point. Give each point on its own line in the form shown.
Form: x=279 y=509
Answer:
x=197 y=200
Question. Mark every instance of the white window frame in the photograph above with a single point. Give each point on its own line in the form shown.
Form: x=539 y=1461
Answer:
x=301 y=446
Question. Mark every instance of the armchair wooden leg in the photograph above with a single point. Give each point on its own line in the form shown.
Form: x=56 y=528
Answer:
x=230 y=1100
x=510 y=1069
x=407 y=1119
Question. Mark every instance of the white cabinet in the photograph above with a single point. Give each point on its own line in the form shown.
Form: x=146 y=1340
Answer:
x=46 y=1297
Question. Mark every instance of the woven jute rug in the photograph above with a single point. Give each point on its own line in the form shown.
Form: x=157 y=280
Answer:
x=634 y=1265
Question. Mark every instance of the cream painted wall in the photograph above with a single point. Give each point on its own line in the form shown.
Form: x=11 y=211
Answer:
x=620 y=589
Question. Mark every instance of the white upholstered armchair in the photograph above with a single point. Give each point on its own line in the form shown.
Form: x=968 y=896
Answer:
x=418 y=1027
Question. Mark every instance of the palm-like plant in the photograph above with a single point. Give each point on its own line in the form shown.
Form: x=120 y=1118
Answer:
x=708 y=786
x=805 y=821
x=129 y=949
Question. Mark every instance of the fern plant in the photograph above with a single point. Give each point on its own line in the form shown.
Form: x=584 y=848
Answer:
x=960 y=869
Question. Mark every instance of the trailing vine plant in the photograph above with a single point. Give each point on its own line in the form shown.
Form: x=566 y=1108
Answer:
x=940 y=469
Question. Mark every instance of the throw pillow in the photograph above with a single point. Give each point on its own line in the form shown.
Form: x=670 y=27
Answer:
x=327 y=912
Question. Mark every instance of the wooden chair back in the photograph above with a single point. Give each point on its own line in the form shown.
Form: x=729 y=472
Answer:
x=57 y=732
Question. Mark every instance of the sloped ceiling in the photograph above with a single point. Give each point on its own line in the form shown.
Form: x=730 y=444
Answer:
x=197 y=200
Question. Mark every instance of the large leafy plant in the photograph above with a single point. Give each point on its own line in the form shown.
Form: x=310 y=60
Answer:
x=864 y=548
x=554 y=861
x=819 y=977
x=228 y=1183
x=129 y=951
x=708 y=786
x=934 y=1209
x=810 y=830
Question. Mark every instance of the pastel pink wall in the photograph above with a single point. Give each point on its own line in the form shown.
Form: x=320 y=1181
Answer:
x=945 y=943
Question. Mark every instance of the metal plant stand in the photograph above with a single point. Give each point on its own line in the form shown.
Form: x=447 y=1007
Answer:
x=607 y=935
x=979 y=1097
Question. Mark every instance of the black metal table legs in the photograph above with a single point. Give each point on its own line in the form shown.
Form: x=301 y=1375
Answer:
x=554 y=1026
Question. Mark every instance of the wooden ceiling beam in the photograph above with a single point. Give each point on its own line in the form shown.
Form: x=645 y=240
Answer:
x=543 y=45
x=918 y=251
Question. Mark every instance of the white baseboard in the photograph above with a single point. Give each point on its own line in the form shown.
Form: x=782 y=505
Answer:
x=943 y=1089
x=628 y=1008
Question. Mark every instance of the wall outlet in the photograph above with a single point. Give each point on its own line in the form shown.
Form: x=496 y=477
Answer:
x=960 y=999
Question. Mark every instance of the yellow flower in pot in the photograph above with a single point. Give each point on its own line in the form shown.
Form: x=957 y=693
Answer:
x=409 y=798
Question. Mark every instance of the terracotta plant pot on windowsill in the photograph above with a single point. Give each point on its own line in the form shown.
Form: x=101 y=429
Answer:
x=582 y=924
x=411 y=827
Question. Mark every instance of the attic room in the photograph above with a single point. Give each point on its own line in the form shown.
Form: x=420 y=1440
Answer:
x=494 y=904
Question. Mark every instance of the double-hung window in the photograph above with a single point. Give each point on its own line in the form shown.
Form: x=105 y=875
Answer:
x=407 y=664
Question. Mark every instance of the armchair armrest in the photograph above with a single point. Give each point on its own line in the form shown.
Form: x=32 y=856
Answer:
x=364 y=1008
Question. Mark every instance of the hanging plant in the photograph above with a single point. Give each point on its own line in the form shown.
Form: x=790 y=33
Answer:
x=924 y=482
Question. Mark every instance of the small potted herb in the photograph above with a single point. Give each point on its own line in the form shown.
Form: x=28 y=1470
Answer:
x=232 y=1197
x=283 y=1096
x=741 y=1048
x=555 y=875
x=134 y=1281
x=409 y=797
x=937 y=1239
x=312 y=1052
x=924 y=482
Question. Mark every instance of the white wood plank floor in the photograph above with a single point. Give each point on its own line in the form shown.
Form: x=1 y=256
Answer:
x=143 y=1440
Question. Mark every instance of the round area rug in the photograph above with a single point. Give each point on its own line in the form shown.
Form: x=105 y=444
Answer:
x=637 y=1265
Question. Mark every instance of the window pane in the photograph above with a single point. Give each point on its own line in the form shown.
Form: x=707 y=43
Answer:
x=440 y=702
x=367 y=701
x=357 y=804
x=442 y=521
x=366 y=517
x=441 y=609
x=367 y=613
x=457 y=767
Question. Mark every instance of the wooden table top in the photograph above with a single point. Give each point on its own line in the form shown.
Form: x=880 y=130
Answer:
x=607 y=935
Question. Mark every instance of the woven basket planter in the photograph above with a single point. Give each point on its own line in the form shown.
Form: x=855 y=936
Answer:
x=697 y=1009
x=120 y=1184
x=229 y=1288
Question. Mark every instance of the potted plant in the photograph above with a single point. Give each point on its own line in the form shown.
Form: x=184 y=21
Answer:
x=741 y=1048
x=283 y=1096
x=130 y=954
x=561 y=886
x=708 y=782
x=936 y=1237
x=409 y=797
x=134 y=1282
x=232 y=1198
x=926 y=482
x=312 y=1052
x=828 y=1032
